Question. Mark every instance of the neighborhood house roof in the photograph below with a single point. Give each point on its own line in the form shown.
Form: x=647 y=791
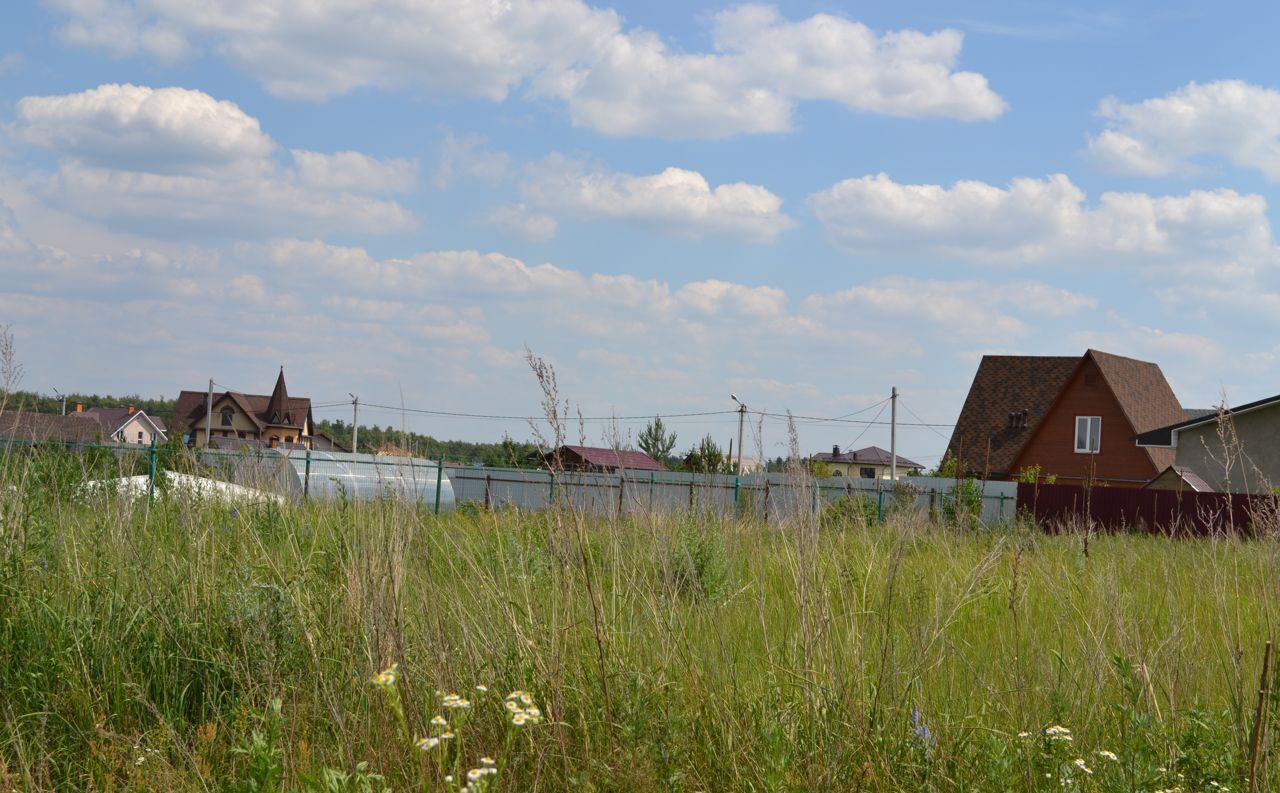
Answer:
x=611 y=459
x=1009 y=397
x=872 y=455
x=1012 y=394
x=112 y=419
x=262 y=410
x=1181 y=472
x=40 y=427
x=1167 y=436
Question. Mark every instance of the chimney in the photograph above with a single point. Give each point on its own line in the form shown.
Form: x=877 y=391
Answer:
x=131 y=410
x=79 y=407
x=835 y=451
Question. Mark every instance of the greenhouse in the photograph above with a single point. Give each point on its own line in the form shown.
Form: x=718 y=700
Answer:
x=330 y=475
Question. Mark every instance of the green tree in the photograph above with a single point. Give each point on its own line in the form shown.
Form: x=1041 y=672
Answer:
x=656 y=442
x=706 y=458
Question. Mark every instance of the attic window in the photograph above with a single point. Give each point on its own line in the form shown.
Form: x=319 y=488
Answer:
x=227 y=415
x=287 y=419
x=1088 y=434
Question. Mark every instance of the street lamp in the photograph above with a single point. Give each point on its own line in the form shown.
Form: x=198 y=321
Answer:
x=63 y=397
x=742 y=417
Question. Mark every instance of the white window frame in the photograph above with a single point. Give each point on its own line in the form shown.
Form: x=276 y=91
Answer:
x=1089 y=435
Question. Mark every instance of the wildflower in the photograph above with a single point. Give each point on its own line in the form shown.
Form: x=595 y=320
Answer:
x=446 y=735
x=1058 y=733
x=526 y=699
x=438 y=720
x=512 y=706
x=487 y=761
x=1024 y=735
x=427 y=744
x=474 y=774
x=1103 y=753
x=921 y=730
x=533 y=713
x=387 y=677
x=1079 y=763
x=482 y=688
x=449 y=779
x=517 y=694
x=519 y=719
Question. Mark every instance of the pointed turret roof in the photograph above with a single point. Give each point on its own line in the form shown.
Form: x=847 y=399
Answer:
x=278 y=405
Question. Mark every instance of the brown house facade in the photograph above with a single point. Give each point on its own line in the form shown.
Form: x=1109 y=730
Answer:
x=1074 y=418
x=252 y=419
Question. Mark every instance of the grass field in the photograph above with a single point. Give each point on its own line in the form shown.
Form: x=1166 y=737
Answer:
x=178 y=646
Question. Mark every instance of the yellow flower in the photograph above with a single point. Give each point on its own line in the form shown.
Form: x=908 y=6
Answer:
x=387 y=677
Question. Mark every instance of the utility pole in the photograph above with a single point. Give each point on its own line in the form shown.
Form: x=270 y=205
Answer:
x=64 y=400
x=742 y=419
x=893 y=434
x=355 y=422
x=208 y=415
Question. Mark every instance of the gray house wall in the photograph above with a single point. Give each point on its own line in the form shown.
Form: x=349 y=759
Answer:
x=1257 y=468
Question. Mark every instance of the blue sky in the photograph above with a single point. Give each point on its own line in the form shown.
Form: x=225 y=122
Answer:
x=802 y=204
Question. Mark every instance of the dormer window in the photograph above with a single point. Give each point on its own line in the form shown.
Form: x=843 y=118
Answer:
x=228 y=415
x=286 y=419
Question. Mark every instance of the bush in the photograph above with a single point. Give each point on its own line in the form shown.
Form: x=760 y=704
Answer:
x=850 y=512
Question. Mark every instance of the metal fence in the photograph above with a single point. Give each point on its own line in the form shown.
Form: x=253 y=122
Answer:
x=771 y=496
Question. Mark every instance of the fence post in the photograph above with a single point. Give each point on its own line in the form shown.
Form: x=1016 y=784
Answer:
x=488 y=480
x=737 y=487
x=551 y=488
x=151 y=490
x=622 y=486
x=306 y=478
x=439 y=481
x=1002 y=498
x=653 y=476
x=880 y=503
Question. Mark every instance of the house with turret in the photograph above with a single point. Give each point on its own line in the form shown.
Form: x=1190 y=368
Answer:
x=232 y=419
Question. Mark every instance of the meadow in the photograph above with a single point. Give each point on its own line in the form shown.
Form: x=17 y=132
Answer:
x=173 y=645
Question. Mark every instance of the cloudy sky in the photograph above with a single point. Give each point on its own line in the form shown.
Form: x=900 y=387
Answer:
x=802 y=204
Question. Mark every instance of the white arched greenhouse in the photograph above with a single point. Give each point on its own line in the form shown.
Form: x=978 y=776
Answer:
x=326 y=475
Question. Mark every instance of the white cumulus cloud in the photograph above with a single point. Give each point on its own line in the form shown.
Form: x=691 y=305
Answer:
x=1033 y=220
x=615 y=80
x=1229 y=120
x=675 y=200
x=177 y=161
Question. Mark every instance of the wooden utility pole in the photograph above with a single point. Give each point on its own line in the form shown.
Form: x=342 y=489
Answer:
x=893 y=434
x=208 y=415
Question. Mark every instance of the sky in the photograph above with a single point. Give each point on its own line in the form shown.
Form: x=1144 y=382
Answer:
x=804 y=205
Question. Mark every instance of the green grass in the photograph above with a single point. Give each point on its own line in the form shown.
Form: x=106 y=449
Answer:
x=142 y=647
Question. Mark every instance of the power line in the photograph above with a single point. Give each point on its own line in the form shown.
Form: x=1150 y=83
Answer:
x=853 y=442
x=930 y=426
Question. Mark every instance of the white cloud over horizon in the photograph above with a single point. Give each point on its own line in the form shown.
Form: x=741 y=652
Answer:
x=613 y=80
x=178 y=161
x=1045 y=220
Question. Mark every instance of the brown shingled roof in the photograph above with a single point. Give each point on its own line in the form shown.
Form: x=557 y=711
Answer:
x=40 y=427
x=606 y=459
x=1144 y=395
x=1005 y=385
